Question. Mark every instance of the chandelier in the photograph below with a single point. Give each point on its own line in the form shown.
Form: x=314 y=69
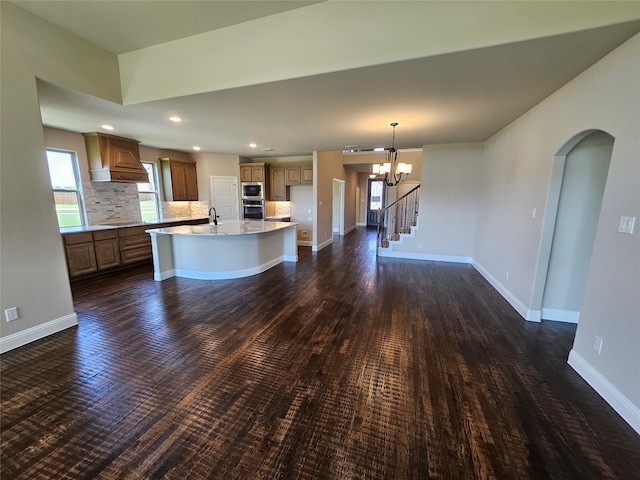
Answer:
x=391 y=170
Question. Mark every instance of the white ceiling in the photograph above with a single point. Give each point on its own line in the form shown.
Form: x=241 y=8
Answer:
x=459 y=97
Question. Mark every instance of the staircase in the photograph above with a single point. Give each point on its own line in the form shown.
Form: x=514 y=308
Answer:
x=397 y=221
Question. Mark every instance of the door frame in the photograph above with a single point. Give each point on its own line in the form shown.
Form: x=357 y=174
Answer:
x=341 y=187
x=534 y=313
x=384 y=197
x=236 y=197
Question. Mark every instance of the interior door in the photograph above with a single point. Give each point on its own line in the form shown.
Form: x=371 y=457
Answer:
x=224 y=197
x=375 y=201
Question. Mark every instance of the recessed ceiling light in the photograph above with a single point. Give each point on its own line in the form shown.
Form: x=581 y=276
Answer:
x=196 y=148
x=268 y=149
x=175 y=119
x=378 y=149
x=106 y=126
x=252 y=145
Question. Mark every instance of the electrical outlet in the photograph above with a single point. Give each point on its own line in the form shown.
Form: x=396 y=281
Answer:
x=11 y=314
x=308 y=210
x=309 y=219
x=305 y=233
x=597 y=344
x=506 y=275
x=533 y=212
x=421 y=245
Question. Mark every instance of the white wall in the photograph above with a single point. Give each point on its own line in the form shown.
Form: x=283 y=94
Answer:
x=33 y=273
x=517 y=170
x=301 y=197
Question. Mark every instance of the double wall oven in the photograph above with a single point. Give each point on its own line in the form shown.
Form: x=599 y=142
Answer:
x=252 y=200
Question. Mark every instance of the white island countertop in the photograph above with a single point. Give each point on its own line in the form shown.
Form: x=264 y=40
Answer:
x=225 y=227
x=231 y=249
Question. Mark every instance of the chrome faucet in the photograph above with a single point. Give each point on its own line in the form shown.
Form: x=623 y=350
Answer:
x=213 y=217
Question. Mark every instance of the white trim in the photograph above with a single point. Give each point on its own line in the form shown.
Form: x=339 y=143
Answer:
x=568 y=316
x=247 y=272
x=335 y=230
x=621 y=404
x=290 y=258
x=361 y=224
x=32 y=334
x=386 y=252
x=159 y=276
x=322 y=245
x=351 y=228
x=529 y=315
x=305 y=243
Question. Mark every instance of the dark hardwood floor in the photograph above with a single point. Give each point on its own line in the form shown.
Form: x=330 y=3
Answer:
x=338 y=367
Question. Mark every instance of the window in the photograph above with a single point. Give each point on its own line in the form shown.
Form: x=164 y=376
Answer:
x=148 y=194
x=65 y=182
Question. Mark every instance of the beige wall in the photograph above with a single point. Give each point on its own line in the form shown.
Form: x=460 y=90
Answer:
x=448 y=198
x=215 y=164
x=517 y=169
x=327 y=166
x=33 y=273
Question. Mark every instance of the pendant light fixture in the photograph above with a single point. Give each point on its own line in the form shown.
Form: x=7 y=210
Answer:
x=391 y=170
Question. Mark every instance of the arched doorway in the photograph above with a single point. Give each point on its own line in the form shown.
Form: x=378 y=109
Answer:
x=571 y=219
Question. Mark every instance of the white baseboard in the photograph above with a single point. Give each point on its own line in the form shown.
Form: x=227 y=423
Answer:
x=32 y=334
x=529 y=315
x=361 y=224
x=305 y=243
x=350 y=229
x=386 y=252
x=556 y=315
x=247 y=272
x=290 y=258
x=322 y=245
x=621 y=404
x=335 y=230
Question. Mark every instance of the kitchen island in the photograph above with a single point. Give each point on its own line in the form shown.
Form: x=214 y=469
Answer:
x=231 y=249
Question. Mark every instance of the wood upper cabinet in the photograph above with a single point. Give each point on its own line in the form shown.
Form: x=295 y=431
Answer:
x=114 y=159
x=179 y=179
x=306 y=173
x=279 y=190
x=293 y=174
x=252 y=172
x=299 y=174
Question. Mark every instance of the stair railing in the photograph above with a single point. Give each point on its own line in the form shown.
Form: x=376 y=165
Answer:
x=397 y=218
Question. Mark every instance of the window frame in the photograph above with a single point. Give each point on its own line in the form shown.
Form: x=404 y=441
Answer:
x=155 y=192
x=78 y=181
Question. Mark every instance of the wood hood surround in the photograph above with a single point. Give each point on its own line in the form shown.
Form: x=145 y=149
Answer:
x=114 y=159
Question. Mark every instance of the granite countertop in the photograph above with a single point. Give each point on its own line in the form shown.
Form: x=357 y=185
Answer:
x=127 y=223
x=226 y=227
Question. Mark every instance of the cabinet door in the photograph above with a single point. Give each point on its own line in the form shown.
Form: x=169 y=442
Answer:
x=178 y=182
x=257 y=173
x=245 y=173
x=306 y=174
x=107 y=254
x=293 y=175
x=124 y=153
x=81 y=259
x=278 y=188
x=191 y=181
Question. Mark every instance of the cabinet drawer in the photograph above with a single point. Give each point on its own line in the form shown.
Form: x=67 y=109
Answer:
x=135 y=241
x=75 y=238
x=131 y=231
x=105 y=234
x=136 y=255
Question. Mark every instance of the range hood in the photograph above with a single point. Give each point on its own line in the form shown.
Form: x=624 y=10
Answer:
x=114 y=159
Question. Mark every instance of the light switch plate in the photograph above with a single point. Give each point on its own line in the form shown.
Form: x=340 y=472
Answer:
x=626 y=225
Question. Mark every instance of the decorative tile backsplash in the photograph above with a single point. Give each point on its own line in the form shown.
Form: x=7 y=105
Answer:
x=118 y=202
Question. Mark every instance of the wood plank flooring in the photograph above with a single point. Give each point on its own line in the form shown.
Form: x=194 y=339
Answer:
x=338 y=367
